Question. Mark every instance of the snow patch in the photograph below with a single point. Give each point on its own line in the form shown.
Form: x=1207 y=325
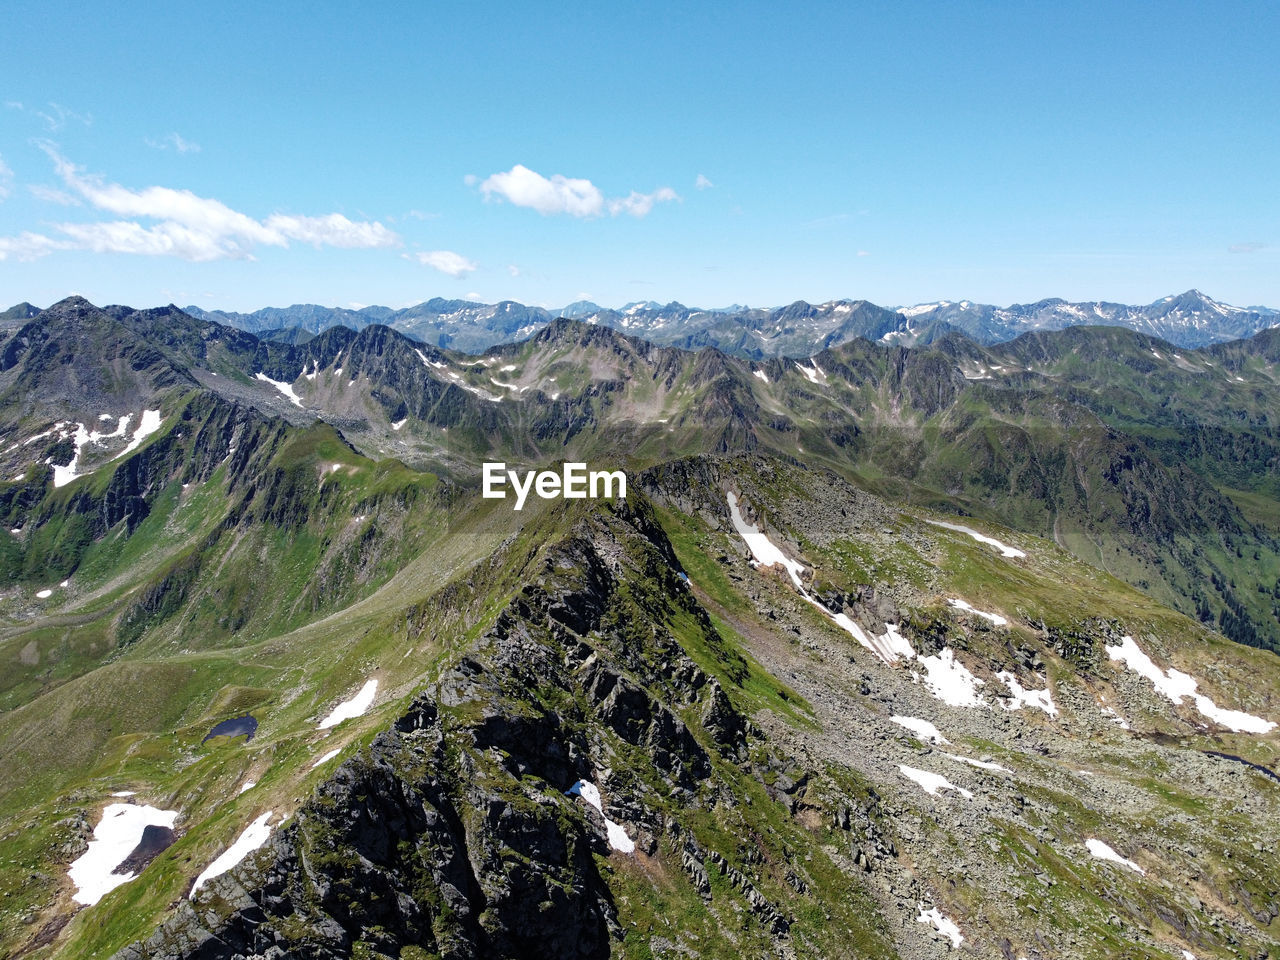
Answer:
x=950 y=681
x=924 y=728
x=430 y=363
x=1004 y=548
x=932 y=783
x=1104 y=852
x=246 y=786
x=812 y=373
x=766 y=552
x=618 y=838
x=149 y=424
x=124 y=793
x=285 y=388
x=980 y=764
x=921 y=308
x=326 y=758
x=995 y=618
x=44 y=594
x=761 y=374
x=1042 y=699
x=944 y=925
x=946 y=678
x=399 y=423
x=1115 y=718
x=891 y=646
x=1175 y=686
x=355 y=707
x=115 y=836
x=254 y=836
x=64 y=475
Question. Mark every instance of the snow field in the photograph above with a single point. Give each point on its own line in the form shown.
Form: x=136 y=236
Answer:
x=326 y=758
x=618 y=838
x=285 y=388
x=1174 y=685
x=932 y=783
x=356 y=706
x=995 y=618
x=114 y=838
x=1041 y=699
x=766 y=552
x=1103 y=851
x=923 y=728
x=1004 y=548
x=253 y=837
x=944 y=925
x=148 y=425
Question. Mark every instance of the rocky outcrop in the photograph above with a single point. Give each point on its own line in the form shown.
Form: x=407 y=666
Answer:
x=453 y=832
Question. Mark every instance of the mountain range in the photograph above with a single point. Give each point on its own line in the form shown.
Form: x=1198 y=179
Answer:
x=890 y=649
x=797 y=330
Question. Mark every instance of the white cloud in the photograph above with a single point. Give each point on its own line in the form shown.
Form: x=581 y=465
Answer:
x=29 y=246
x=174 y=141
x=560 y=194
x=1246 y=247
x=58 y=115
x=864 y=253
x=578 y=197
x=702 y=183
x=212 y=217
x=446 y=261
x=332 y=230
x=639 y=204
x=164 y=239
x=513 y=270
x=6 y=179
x=52 y=195
x=189 y=226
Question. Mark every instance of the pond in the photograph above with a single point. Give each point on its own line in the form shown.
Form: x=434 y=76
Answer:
x=234 y=727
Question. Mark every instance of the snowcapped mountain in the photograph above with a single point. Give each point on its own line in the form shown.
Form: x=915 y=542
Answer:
x=843 y=672
x=799 y=329
x=1191 y=319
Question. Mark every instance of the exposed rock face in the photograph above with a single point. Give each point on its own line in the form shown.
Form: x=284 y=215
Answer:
x=452 y=831
x=155 y=840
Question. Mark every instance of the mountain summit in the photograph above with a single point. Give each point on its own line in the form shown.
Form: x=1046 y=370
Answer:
x=797 y=330
x=886 y=652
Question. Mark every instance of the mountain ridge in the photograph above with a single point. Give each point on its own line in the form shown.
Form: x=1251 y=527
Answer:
x=799 y=329
x=954 y=713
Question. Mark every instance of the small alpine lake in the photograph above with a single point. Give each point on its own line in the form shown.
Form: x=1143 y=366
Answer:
x=234 y=727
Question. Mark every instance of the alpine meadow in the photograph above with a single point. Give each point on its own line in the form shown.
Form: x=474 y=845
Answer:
x=489 y=602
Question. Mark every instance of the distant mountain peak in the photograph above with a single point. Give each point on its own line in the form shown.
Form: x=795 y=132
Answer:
x=798 y=329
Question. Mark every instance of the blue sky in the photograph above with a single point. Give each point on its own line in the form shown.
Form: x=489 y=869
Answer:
x=253 y=154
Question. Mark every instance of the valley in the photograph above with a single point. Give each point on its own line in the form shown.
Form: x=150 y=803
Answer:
x=884 y=650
